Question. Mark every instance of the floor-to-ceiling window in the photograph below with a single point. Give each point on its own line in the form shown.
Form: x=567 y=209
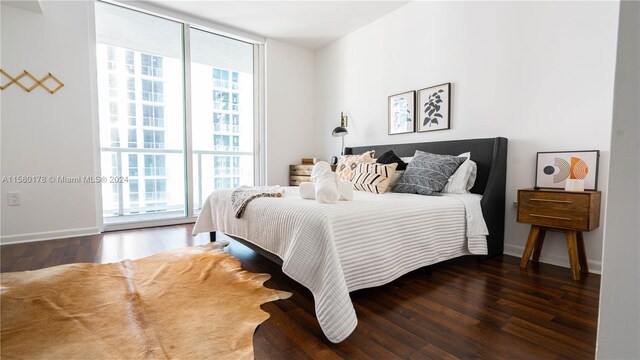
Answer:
x=222 y=113
x=142 y=77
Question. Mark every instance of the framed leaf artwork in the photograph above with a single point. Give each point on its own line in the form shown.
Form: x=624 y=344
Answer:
x=434 y=108
x=401 y=113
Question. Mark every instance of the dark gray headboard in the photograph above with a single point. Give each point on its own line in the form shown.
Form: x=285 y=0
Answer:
x=491 y=157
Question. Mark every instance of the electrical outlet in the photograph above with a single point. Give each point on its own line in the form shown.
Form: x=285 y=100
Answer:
x=13 y=198
x=515 y=204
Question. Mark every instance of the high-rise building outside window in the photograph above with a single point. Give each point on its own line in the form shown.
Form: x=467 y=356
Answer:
x=153 y=139
x=152 y=90
x=111 y=58
x=130 y=61
x=132 y=120
x=153 y=116
x=133 y=165
x=132 y=138
x=151 y=65
x=131 y=88
x=220 y=100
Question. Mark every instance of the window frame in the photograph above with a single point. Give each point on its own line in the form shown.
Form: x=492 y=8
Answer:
x=259 y=70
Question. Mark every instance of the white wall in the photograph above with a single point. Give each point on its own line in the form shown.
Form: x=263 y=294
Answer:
x=539 y=73
x=45 y=134
x=619 y=324
x=290 y=120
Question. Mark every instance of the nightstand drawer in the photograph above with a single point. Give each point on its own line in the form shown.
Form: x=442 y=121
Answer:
x=570 y=202
x=559 y=209
x=554 y=219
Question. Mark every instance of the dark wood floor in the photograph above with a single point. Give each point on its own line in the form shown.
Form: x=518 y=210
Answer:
x=460 y=309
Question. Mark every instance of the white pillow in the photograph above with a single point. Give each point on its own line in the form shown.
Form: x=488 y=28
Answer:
x=463 y=179
x=407 y=159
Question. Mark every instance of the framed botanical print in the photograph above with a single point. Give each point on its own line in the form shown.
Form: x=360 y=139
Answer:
x=402 y=113
x=434 y=108
x=554 y=168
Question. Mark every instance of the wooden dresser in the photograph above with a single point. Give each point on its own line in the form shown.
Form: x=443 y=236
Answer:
x=571 y=212
x=299 y=174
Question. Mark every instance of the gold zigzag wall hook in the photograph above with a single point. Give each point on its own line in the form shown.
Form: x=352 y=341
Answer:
x=36 y=82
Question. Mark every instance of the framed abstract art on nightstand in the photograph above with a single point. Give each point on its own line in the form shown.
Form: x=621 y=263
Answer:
x=553 y=168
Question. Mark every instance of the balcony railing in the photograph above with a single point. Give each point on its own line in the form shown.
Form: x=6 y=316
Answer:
x=198 y=173
x=226 y=171
x=226 y=148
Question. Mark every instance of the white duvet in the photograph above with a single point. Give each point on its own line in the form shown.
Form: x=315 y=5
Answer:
x=333 y=249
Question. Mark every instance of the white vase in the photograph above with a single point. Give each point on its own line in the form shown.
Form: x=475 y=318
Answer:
x=574 y=185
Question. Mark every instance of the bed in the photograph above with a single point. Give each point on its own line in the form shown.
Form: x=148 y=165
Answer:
x=333 y=249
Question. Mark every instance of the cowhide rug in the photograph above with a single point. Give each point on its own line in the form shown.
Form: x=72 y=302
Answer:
x=190 y=303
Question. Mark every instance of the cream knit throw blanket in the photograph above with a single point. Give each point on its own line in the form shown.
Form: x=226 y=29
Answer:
x=241 y=196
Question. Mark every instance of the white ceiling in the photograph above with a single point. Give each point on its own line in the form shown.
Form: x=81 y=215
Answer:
x=29 y=5
x=309 y=24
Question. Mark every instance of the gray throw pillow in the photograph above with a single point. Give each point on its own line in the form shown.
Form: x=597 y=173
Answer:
x=427 y=173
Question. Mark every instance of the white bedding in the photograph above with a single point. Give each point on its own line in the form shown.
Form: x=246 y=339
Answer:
x=333 y=249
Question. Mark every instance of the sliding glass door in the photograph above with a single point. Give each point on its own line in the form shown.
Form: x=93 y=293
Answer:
x=222 y=113
x=147 y=137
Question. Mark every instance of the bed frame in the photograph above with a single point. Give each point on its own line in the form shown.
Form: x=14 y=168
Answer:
x=491 y=157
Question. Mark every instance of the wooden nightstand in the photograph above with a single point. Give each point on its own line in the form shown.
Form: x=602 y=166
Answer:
x=571 y=212
x=299 y=174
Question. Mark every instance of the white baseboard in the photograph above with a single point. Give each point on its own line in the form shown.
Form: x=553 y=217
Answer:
x=47 y=235
x=595 y=267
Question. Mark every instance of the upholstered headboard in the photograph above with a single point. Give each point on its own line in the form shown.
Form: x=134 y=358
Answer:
x=491 y=157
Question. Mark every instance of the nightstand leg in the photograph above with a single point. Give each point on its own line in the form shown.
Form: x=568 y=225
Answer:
x=531 y=243
x=572 y=249
x=582 y=256
x=538 y=248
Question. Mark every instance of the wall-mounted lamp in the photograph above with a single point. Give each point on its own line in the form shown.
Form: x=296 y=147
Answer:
x=341 y=130
x=344 y=120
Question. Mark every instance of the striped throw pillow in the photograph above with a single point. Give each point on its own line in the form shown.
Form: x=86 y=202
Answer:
x=373 y=177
